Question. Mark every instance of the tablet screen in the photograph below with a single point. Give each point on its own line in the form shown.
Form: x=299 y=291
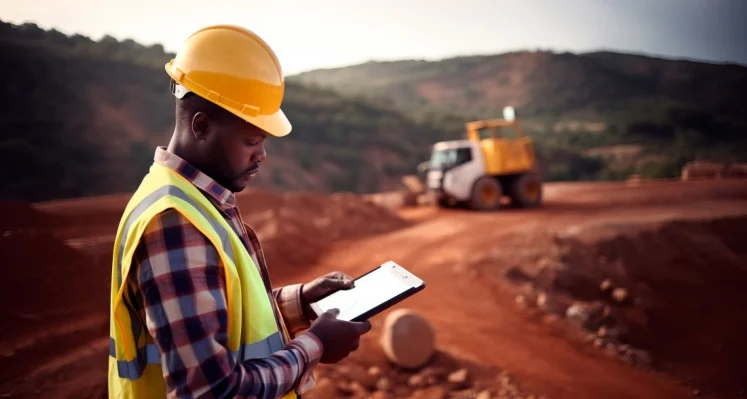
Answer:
x=370 y=291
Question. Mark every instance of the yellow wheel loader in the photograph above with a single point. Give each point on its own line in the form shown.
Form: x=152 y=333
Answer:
x=486 y=166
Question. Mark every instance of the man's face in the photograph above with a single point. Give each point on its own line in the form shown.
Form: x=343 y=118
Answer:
x=236 y=149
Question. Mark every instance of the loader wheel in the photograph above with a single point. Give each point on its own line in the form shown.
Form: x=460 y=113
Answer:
x=443 y=203
x=486 y=194
x=526 y=191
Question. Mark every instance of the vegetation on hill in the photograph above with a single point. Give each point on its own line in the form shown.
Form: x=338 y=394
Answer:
x=82 y=117
x=574 y=105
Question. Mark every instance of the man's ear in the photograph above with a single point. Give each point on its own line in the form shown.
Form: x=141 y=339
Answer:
x=200 y=125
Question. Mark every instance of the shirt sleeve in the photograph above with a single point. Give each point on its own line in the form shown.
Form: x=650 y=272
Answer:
x=182 y=285
x=290 y=302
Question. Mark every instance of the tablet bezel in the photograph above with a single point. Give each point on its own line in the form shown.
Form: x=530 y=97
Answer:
x=416 y=285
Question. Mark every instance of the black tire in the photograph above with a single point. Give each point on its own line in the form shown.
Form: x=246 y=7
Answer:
x=526 y=191
x=486 y=194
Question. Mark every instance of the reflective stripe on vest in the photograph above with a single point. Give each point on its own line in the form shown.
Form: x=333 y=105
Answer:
x=151 y=199
x=149 y=354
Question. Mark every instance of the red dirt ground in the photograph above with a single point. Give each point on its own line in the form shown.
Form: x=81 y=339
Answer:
x=687 y=278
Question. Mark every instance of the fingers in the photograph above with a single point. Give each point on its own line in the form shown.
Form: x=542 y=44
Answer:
x=342 y=282
x=340 y=276
x=334 y=312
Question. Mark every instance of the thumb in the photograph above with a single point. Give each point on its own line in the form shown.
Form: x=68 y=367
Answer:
x=332 y=312
x=347 y=283
x=364 y=327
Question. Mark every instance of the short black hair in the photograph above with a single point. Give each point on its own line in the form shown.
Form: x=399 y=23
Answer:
x=192 y=103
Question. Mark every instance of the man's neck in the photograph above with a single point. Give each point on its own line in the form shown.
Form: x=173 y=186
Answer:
x=183 y=150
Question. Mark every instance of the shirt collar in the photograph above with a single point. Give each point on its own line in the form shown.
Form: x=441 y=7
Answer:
x=223 y=196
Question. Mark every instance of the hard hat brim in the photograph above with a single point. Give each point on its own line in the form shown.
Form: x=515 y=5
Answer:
x=276 y=124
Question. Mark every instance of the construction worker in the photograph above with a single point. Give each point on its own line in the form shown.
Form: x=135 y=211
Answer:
x=192 y=310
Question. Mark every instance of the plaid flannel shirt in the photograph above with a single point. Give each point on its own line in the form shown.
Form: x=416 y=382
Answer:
x=177 y=288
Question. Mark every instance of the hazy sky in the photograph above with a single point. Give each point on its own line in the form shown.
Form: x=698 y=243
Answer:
x=309 y=34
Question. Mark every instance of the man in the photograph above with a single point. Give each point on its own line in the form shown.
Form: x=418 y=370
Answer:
x=192 y=310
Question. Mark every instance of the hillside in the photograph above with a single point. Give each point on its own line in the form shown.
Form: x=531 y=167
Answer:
x=573 y=102
x=545 y=83
x=82 y=117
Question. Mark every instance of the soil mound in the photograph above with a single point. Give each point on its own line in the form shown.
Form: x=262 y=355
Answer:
x=669 y=296
x=447 y=375
x=295 y=228
x=51 y=295
x=22 y=216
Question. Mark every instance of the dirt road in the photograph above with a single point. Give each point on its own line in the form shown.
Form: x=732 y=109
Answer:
x=480 y=318
x=461 y=255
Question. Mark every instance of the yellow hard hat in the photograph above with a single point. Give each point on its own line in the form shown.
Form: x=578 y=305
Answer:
x=234 y=68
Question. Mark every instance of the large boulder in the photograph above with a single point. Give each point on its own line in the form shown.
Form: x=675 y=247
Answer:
x=407 y=338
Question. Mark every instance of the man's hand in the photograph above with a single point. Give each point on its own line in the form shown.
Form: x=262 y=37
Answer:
x=338 y=337
x=323 y=286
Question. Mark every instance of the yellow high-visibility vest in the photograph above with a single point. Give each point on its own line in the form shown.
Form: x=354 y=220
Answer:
x=134 y=359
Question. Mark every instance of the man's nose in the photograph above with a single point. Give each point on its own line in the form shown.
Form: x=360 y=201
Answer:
x=259 y=154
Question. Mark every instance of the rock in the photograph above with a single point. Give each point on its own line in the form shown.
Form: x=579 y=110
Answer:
x=589 y=317
x=504 y=379
x=508 y=391
x=548 y=264
x=358 y=389
x=434 y=374
x=463 y=394
x=344 y=387
x=577 y=313
x=381 y=395
x=407 y=338
x=383 y=384
x=434 y=392
x=550 y=318
x=620 y=295
x=610 y=349
x=484 y=395
x=458 y=378
x=416 y=381
x=357 y=373
x=639 y=357
x=610 y=333
x=551 y=304
x=521 y=301
x=606 y=286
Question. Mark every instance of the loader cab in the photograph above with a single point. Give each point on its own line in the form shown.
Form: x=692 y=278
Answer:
x=447 y=157
x=453 y=167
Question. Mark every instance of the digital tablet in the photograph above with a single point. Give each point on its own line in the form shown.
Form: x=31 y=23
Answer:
x=372 y=293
